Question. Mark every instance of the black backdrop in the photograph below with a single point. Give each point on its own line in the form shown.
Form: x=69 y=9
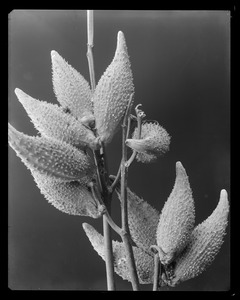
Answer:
x=181 y=67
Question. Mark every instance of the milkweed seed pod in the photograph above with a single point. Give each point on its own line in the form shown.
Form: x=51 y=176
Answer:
x=69 y=197
x=177 y=218
x=71 y=89
x=51 y=157
x=154 y=142
x=113 y=92
x=144 y=262
x=205 y=242
x=142 y=220
x=51 y=121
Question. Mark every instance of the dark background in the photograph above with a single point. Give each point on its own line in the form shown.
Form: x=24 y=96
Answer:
x=181 y=66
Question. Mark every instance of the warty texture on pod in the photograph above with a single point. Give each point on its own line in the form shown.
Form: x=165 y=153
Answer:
x=177 y=218
x=154 y=142
x=113 y=92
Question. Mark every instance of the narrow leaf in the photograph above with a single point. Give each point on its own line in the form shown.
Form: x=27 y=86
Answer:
x=144 y=262
x=142 y=220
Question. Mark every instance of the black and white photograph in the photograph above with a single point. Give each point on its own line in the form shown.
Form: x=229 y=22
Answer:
x=119 y=150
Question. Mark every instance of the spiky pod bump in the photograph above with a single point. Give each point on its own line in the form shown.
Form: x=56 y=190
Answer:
x=142 y=220
x=51 y=157
x=144 y=262
x=71 y=89
x=69 y=197
x=113 y=92
x=177 y=218
x=154 y=142
x=205 y=242
x=50 y=120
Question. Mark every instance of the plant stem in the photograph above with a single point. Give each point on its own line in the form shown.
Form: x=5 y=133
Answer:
x=124 y=206
x=116 y=180
x=157 y=266
x=156 y=271
x=108 y=254
x=90 y=35
x=140 y=115
x=101 y=163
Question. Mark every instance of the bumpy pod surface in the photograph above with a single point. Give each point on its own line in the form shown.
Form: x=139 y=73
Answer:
x=113 y=92
x=144 y=262
x=71 y=89
x=51 y=157
x=69 y=197
x=205 y=242
x=142 y=220
x=51 y=121
x=154 y=142
x=177 y=218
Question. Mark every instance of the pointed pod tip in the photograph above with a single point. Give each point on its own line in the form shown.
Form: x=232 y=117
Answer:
x=53 y=53
x=55 y=56
x=179 y=168
x=120 y=34
x=19 y=93
x=121 y=43
x=223 y=201
x=17 y=90
x=179 y=165
x=85 y=226
x=223 y=193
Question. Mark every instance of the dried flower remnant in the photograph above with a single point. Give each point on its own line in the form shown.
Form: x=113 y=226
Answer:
x=205 y=242
x=154 y=142
x=177 y=218
x=144 y=261
x=113 y=92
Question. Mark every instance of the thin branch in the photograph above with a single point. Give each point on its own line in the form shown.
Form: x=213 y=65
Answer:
x=90 y=35
x=157 y=267
x=116 y=180
x=100 y=162
x=97 y=197
x=140 y=115
x=124 y=206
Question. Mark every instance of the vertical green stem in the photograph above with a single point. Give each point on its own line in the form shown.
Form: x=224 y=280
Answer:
x=156 y=271
x=124 y=206
x=90 y=35
x=108 y=253
x=100 y=161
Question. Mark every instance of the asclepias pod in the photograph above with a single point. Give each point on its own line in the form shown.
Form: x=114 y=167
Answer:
x=61 y=171
x=154 y=142
x=177 y=218
x=54 y=158
x=113 y=92
x=71 y=88
x=52 y=121
x=204 y=244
